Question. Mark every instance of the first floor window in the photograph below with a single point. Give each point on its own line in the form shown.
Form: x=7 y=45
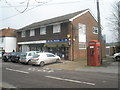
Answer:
x=42 y=30
x=56 y=28
x=23 y=34
x=32 y=32
x=95 y=30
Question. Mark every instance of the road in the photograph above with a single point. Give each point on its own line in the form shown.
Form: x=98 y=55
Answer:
x=16 y=75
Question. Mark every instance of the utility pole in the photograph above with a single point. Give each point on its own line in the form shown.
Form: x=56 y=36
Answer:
x=99 y=31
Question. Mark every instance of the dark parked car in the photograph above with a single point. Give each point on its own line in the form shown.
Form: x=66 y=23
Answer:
x=7 y=56
x=15 y=56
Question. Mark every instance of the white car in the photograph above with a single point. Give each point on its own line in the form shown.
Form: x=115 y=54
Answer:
x=116 y=56
x=26 y=58
x=0 y=54
x=44 y=58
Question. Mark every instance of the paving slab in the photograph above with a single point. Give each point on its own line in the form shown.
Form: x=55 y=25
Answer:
x=108 y=66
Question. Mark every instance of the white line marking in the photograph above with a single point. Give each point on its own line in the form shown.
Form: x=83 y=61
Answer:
x=16 y=65
x=75 y=81
x=7 y=85
x=17 y=70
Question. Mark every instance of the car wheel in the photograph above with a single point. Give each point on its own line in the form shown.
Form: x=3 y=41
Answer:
x=9 y=59
x=58 y=61
x=42 y=64
x=29 y=62
x=5 y=60
x=13 y=61
x=117 y=58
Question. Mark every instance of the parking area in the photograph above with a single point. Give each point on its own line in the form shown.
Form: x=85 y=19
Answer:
x=31 y=57
x=109 y=66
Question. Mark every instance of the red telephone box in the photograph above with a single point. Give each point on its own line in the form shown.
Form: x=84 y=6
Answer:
x=93 y=58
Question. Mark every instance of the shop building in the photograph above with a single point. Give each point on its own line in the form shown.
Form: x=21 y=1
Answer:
x=66 y=36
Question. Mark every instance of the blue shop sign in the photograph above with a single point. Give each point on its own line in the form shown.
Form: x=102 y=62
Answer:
x=58 y=40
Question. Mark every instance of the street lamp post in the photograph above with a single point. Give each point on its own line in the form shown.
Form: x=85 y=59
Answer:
x=99 y=30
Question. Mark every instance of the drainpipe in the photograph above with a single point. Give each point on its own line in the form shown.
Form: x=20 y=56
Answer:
x=72 y=42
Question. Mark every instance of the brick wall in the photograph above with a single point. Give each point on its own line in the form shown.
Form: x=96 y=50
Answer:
x=8 y=32
x=89 y=21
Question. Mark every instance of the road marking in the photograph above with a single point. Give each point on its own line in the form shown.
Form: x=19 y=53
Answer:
x=48 y=70
x=7 y=85
x=16 y=65
x=75 y=81
x=17 y=70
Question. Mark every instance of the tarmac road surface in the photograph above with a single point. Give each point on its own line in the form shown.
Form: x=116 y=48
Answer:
x=15 y=75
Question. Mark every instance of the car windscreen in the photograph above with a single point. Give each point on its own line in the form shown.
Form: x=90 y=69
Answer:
x=23 y=54
x=13 y=53
x=4 y=54
x=36 y=55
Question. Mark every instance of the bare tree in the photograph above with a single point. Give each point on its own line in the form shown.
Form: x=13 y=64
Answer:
x=115 y=23
x=118 y=5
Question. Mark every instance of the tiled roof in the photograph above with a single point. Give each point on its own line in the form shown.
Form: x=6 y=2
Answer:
x=64 y=18
x=7 y=32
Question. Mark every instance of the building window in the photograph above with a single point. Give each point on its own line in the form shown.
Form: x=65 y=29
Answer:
x=82 y=35
x=56 y=28
x=32 y=32
x=23 y=34
x=95 y=30
x=1 y=39
x=42 y=30
x=82 y=45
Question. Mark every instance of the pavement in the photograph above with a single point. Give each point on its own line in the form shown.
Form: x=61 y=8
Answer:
x=108 y=66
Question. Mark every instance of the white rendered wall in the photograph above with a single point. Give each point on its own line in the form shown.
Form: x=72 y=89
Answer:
x=9 y=44
x=1 y=42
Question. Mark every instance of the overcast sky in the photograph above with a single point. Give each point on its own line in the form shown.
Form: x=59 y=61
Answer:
x=15 y=14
